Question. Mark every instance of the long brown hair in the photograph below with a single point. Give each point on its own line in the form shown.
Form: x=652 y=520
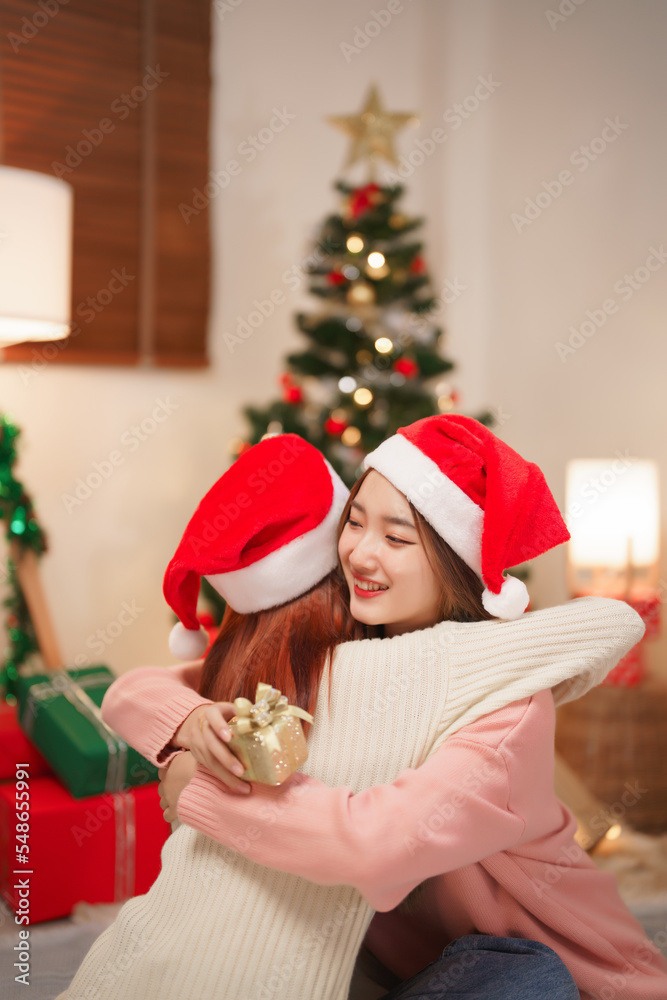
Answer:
x=460 y=587
x=285 y=646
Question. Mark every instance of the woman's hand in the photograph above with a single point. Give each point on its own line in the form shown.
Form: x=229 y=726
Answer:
x=173 y=779
x=203 y=732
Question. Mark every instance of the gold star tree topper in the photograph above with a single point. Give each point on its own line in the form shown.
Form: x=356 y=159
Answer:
x=372 y=131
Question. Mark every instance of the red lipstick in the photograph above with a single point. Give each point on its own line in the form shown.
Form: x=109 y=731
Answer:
x=366 y=594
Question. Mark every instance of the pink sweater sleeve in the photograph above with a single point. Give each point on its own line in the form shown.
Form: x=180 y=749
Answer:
x=451 y=811
x=147 y=705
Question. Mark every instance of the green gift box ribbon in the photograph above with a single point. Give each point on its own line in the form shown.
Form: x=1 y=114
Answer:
x=60 y=713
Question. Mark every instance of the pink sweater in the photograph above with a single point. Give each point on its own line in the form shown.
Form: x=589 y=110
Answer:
x=479 y=820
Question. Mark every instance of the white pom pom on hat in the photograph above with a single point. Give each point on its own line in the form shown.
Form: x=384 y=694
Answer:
x=264 y=534
x=510 y=603
x=488 y=503
x=186 y=644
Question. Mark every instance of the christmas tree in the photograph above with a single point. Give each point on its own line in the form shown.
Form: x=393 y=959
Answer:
x=372 y=361
x=23 y=533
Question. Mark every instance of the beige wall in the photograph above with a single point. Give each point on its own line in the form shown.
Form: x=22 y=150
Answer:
x=551 y=91
x=560 y=83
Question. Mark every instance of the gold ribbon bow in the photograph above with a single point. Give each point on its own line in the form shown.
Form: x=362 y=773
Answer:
x=269 y=706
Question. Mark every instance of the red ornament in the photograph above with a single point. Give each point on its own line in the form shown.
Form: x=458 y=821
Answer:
x=418 y=265
x=334 y=427
x=362 y=199
x=293 y=394
x=336 y=278
x=406 y=367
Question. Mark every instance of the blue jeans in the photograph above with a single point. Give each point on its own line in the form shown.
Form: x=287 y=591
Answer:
x=482 y=967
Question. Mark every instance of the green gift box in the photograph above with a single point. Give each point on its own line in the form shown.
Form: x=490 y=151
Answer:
x=60 y=713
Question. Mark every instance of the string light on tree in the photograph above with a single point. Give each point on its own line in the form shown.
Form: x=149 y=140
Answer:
x=355 y=243
x=347 y=383
x=351 y=436
x=363 y=397
x=383 y=345
x=377 y=265
x=360 y=294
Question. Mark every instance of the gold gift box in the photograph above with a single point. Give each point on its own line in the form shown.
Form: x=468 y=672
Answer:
x=267 y=737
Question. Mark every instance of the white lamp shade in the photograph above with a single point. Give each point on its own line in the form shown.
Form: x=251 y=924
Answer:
x=613 y=512
x=36 y=213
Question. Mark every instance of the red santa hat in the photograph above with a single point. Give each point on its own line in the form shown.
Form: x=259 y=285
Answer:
x=490 y=505
x=264 y=534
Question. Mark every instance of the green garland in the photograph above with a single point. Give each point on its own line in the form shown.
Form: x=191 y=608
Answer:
x=22 y=526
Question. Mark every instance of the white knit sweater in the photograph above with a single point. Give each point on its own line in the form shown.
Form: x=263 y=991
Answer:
x=219 y=926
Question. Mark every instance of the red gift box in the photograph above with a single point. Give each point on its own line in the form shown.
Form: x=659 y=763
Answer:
x=15 y=747
x=101 y=849
x=648 y=605
x=629 y=671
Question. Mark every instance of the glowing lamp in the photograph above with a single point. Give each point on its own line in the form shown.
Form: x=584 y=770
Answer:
x=35 y=256
x=612 y=513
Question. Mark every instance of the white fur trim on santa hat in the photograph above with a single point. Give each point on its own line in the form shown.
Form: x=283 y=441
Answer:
x=445 y=506
x=186 y=644
x=291 y=570
x=510 y=603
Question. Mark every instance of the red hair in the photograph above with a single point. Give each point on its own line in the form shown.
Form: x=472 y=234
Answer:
x=286 y=646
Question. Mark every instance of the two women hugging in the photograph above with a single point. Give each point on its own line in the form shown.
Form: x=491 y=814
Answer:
x=408 y=856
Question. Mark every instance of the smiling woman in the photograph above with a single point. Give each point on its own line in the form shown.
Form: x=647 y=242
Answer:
x=400 y=572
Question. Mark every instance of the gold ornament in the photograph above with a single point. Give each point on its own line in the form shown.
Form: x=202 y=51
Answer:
x=372 y=131
x=397 y=221
x=364 y=357
x=360 y=294
x=351 y=436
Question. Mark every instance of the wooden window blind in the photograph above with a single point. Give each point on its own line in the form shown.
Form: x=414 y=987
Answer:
x=114 y=98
